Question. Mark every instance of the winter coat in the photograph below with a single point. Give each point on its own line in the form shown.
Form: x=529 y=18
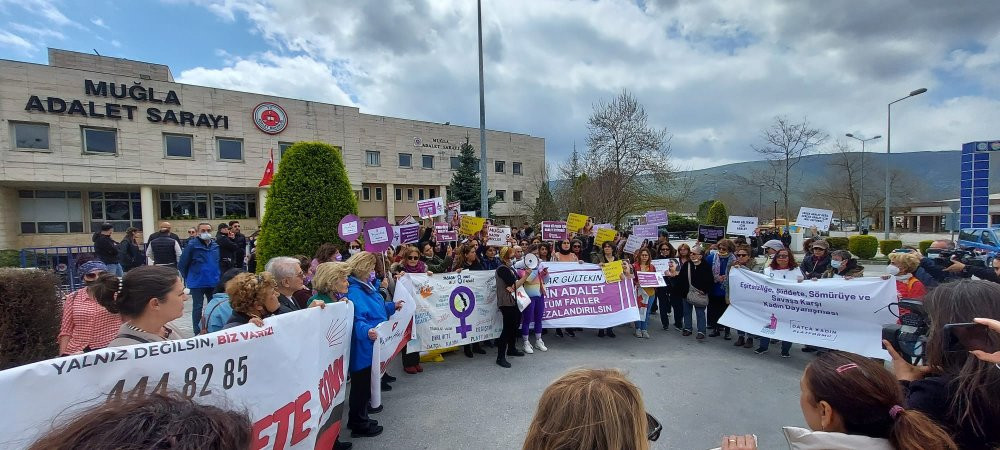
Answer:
x=718 y=289
x=130 y=256
x=370 y=309
x=199 y=264
x=227 y=252
x=105 y=248
x=814 y=268
x=932 y=396
x=701 y=277
x=216 y=313
x=853 y=270
x=437 y=265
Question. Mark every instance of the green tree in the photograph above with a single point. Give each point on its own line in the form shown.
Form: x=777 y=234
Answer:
x=678 y=222
x=717 y=214
x=465 y=183
x=702 y=214
x=309 y=195
x=545 y=205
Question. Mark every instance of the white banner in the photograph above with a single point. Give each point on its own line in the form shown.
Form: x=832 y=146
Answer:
x=833 y=313
x=812 y=217
x=577 y=295
x=633 y=243
x=740 y=225
x=393 y=335
x=453 y=308
x=497 y=236
x=290 y=375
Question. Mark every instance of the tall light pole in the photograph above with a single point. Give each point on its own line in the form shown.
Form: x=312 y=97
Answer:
x=861 y=188
x=484 y=200
x=888 y=148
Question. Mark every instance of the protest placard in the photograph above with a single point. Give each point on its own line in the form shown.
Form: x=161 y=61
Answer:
x=633 y=243
x=453 y=308
x=812 y=217
x=711 y=233
x=378 y=235
x=446 y=236
x=651 y=279
x=741 y=225
x=605 y=235
x=349 y=228
x=833 y=313
x=645 y=231
x=409 y=234
x=453 y=214
x=553 y=231
x=407 y=220
x=656 y=218
x=441 y=226
x=393 y=335
x=612 y=272
x=574 y=222
x=665 y=264
x=497 y=236
x=576 y=295
x=234 y=368
x=431 y=207
x=471 y=225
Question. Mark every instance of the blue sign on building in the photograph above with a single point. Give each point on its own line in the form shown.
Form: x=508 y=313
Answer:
x=975 y=188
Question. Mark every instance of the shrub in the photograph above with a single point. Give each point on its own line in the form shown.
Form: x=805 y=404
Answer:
x=924 y=245
x=678 y=222
x=863 y=246
x=888 y=245
x=309 y=195
x=717 y=214
x=32 y=312
x=837 y=243
x=10 y=258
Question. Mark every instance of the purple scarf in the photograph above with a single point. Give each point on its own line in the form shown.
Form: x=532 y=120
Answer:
x=419 y=268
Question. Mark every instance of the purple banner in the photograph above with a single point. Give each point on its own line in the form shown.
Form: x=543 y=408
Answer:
x=553 y=231
x=446 y=236
x=656 y=218
x=711 y=233
x=645 y=231
x=577 y=295
x=431 y=207
x=378 y=235
x=409 y=234
x=441 y=226
x=650 y=279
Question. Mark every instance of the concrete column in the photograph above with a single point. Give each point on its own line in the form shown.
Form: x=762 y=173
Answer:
x=390 y=202
x=148 y=216
x=261 y=203
x=443 y=193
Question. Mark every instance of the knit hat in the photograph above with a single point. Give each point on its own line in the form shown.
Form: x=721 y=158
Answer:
x=91 y=267
x=821 y=243
x=774 y=244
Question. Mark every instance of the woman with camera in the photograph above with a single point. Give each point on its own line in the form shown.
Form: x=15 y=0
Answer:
x=955 y=388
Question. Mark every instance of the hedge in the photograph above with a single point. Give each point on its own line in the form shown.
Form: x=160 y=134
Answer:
x=924 y=245
x=863 y=246
x=32 y=312
x=837 y=243
x=309 y=195
x=888 y=245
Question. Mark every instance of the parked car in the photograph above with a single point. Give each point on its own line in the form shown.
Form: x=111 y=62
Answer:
x=981 y=240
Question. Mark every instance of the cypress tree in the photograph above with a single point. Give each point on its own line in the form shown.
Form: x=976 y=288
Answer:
x=717 y=214
x=309 y=195
x=465 y=183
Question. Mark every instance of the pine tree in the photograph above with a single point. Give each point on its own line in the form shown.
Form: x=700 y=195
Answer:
x=717 y=214
x=545 y=207
x=309 y=195
x=465 y=183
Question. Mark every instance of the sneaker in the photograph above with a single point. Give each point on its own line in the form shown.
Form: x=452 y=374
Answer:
x=527 y=347
x=785 y=355
x=559 y=332
x=570 y=332
x=645 y=334
x=715 y=333
x=503 y=363
x=375 y=410
x=749 y=343
x=678 y=328
x=386 y=386
x=686 y=333
x=338 y=445
x=728 y=336
x=388 y=378
x=541 y=345
x=700 y=336
x=638 y=333
x=760 y=351
x=740 y=341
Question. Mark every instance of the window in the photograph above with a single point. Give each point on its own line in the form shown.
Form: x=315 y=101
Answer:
x=378 y=194
x=987 y=238
x=456 y=163
x=498 y=166
x=31 y=136
x=100 y=140
x=404 y=159
x=431 y=195
x=420 y=194
x=372 y=158
x=234 y=206
x=366 y=194
x=121 y=209
x=230 y=149
x=50 y=212
x=399 y=195
x=177 y=146
x=516 y=168
x=427 y=161
x=518 y=195
x=409 y=194
x=501 y=195
x=282 y=147
x=183 y=205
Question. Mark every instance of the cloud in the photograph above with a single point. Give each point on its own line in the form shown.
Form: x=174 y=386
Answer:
x=99 y=22
x=8 y=39
x=713 y=72
x=38 y=32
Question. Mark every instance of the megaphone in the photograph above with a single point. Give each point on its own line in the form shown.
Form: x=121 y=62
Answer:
x=529 y=262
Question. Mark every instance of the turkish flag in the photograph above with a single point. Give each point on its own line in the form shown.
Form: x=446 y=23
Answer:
x=268 y=172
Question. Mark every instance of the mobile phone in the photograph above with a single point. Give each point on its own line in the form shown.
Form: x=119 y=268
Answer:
x=966 y=337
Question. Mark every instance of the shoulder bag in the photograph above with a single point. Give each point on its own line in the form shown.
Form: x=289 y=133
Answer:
x=695 y=296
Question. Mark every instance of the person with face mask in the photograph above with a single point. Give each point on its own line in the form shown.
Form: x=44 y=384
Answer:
x=353 y=248
x=199 y=265
x=901 y=267
x=844 y=265
x=86 y=325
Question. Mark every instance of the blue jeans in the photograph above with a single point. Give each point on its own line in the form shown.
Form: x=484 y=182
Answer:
x=198 y=297
x=699 y=314
x=115 y=269
x=765 y=343
x=644 y=323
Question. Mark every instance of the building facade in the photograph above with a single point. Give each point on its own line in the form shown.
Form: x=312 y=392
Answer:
x=88 y=139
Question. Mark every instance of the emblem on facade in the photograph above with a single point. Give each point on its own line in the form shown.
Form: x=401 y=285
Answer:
x=270 y=118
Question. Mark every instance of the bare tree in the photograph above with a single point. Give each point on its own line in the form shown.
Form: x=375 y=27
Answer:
x=785 y=143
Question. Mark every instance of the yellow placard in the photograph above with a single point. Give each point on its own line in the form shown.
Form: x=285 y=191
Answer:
x=605 y=235
x=471 y=225
x=574 y=222
x=612 y=272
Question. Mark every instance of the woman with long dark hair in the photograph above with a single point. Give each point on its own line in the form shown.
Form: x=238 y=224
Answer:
x=665 y=250
x=609 y=255
x=646 y=295
x=148 y=298
x=507 y=283
x=783 y=267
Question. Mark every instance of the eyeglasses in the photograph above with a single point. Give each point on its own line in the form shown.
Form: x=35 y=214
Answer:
x=576 y=246
x=354 y=247
x=653 y=428
x=413 y=258
x=781 y=257
x=93 y=275
x=741 y=255
x=819 y=248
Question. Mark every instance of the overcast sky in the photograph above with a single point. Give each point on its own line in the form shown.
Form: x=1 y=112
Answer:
x=713 y=73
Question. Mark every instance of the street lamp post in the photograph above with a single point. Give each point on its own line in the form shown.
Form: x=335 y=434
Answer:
x=861 y=188
x=484 y=201
x=888 y=150
x=776 y=213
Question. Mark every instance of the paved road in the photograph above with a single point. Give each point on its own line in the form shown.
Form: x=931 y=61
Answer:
x=699 y=391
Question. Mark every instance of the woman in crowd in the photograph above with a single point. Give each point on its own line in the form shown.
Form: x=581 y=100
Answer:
x=129 y=254
x=844 y=265
x=745 y=261
x=783 y=267
x=901 y=266
x=593 y=409
x=490 y=260
x=535 y=289
x=354 y=247
x=684 y=253
x=434 y=262
x=564 y=252
x=468 y=260
x=253 y=297
x=411 y=261
x=87 y=325
x=507 y=283
x=370 y=309
x=851 y=402
x=218 y=310
x=147 y=297
x=665 y=250
x=770 y=248
x=151 y=421
x=720 y=261
x=577 y=248
x=694 y=273
x=302 y=296
x=609 y=255
x=956 y=389
x=330 y=282
x=586 y=238
x=815 y=264
x=327 y=252
x=647 y=295
x=544 y=252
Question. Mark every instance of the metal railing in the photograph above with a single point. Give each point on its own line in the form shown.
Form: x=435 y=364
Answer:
x=63 y=261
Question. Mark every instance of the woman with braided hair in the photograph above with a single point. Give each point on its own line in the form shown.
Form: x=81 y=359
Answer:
x=148 y=298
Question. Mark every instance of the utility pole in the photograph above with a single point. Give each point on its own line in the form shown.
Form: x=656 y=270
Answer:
x=484 y=200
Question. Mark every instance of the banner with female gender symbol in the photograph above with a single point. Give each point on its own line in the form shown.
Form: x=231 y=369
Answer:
x=452 y=308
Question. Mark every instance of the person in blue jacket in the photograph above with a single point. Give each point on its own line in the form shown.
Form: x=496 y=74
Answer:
x=370 y=309
x=719 y=261
x=199 y=265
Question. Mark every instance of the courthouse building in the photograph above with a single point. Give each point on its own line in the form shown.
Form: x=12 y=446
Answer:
x=88 y=139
